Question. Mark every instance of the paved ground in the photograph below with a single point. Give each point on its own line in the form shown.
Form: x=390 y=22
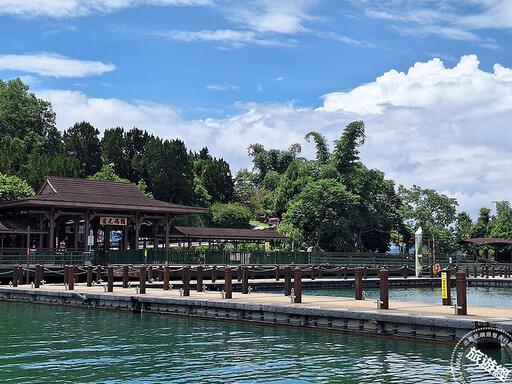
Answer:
x=322 y=302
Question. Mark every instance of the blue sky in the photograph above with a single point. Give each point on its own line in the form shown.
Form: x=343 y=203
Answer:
x=431 y=79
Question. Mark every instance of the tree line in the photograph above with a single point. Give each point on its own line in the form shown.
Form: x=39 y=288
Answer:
x=333 y=202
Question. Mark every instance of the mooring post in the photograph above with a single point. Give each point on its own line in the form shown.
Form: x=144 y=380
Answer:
x=493 y=271
x=297 y=285
x=150 y=273
x=500 y=270
x=66 y=274
x=405 y=271
x=98 y=273
x=467 y=271
x=199 y=279
x=446 y=287
x=253 y=272
x=339 y=272
x=312 y=272
x=359 y=283
x=384 y=288
x=287 y=280
x=214 y=274
x=365 y=272
x=462 y=303
x=77 y=276
x=278 y=272
x=126 y=275
x=89 y=275
x=475 y=271
x=483 y=270
x=239 y=273
x=71 y=277
x=345 y=273
x=37 y=276
x=486 y=271
x=142 y=280
x=166 y=278
x=228 y=286
x=15 y=276
x=319 y=274
x=185 y=278
x=431 y=270
x=110 y=279
x=245 y=279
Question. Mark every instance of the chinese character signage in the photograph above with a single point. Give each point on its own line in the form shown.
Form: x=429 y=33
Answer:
x=113 y=221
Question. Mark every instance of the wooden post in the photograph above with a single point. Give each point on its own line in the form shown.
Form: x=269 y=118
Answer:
x=228 y=287
x=493 y=271
x=245 y=279
x=126 y=276
x=319 y=272
x=66 y=274
x=384 y=288
x=199 y=279
x=475 y=271
x=483 y=270
x=166 y=278
x=501 y=271
x=461 y=293
x=37 y=276
x=345 y=273
x=239 y=273
x=312 y=272
x=297 y=285
x=89 y=275
x=278 y=272
x=253 y=272
x=142 y=280
x=214 y=274
x=98 y=273
x=339 y=272
x=405 y=272
x=359 y=283
x=71 y=278
x=365 y=272
x=15 y=276
x=467 y=271
x=431 y=270
x=287 y=280
x=150 y=272
x=110 y=279
x=186 y=281
x=448 y=299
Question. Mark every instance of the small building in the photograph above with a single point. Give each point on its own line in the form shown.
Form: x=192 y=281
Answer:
x=79 y=214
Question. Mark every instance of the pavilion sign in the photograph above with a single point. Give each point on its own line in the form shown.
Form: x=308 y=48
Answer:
x=113 y=221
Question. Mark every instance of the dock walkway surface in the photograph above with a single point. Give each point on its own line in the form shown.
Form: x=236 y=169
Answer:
x=420 y=320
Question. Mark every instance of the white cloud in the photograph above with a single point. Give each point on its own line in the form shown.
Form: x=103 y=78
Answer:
x=222 y=87
x=438 y=127
x=284 y=16
x=53 y=65
x=77 y=8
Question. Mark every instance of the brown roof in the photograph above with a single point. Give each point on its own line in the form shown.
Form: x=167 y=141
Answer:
x=486 y=241
x=228 y=233
x=69 y=192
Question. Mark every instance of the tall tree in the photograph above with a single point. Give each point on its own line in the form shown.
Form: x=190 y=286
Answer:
x=322 y=149
x=346 y=150
x=82 y=142
x=13 y=188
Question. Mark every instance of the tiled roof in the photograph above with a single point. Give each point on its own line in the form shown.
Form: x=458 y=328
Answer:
x=64 y=191
x=228 y=233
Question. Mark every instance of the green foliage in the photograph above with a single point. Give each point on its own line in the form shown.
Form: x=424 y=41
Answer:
x=230 y=215
x=14 y=188
x=272 y=160
x=107 y=173
x=81 y=141
x=322 y=150
x=214 y=175
x=346 y=151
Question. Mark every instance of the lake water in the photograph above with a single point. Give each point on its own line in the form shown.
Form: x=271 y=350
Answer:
x=46 y=344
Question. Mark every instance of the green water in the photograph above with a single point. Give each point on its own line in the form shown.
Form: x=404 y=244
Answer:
x=45 y=344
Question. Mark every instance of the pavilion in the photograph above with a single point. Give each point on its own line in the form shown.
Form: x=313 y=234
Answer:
x=496 y=243
x=79 y=214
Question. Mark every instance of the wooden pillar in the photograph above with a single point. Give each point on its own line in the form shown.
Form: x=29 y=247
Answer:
x=239 y=273
x=365 y=272
x=287 y=280
x=384 y=288
x=186 y=281
x=493 y=272
x=75 y=240
x=475 y=271
x=166 y=278
x=406 y=270
x=136 y=240
x=110 y=279
x=359 y=283
x=15 y=276
x=297 y=285
x=126 y=275
x=245 y=280
x=312 y=272
x=278 y=272
x=228 y=288
x=199 y=280
x=66 y=274
x=98 y=273
x=166 y=234
x=345 y=273
x=89 y=275
x=142 y=280
x=214 y=273
x=51 y=231
x=37 y=276
x=462 y=302
x=71 y=277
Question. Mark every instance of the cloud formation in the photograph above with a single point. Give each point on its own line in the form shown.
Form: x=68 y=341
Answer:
x=434 y=126
x=53 y=65
x=78 y=8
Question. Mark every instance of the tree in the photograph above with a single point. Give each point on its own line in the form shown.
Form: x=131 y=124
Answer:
x=502 y=224
x=272 y=160
x=481 y=228
x=107 y=173
x=463 y=226
x=81 y=141
x=230 y=215
x=346 y=152
x=322 y=149
x=14 y=188
x=214 y=175
x=321 y=212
